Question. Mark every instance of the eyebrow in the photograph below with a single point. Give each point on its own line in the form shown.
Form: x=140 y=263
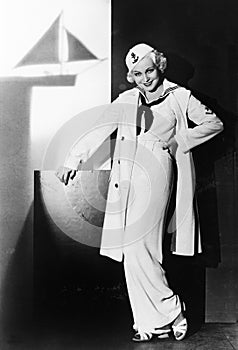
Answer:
x=137 y=71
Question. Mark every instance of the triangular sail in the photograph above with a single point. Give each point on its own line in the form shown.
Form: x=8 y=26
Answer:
x=46 y=49
x=77 y=50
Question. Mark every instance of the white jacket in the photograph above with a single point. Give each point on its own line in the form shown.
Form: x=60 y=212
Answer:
x=122 y=115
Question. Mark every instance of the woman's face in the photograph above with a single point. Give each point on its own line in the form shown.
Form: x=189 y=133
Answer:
x=146 y=74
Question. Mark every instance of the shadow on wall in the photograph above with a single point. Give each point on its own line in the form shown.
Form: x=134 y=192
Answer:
x=16 y=192
x=17 y=287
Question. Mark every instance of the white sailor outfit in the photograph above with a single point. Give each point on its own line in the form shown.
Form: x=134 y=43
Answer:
x=140 y=188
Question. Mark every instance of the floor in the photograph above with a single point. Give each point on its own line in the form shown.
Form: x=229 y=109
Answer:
x=106 y=326
x=209 y=337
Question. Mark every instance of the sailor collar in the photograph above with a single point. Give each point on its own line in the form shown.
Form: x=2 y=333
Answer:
x=168 y=87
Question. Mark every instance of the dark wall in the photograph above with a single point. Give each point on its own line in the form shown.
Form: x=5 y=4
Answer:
x=199 y=38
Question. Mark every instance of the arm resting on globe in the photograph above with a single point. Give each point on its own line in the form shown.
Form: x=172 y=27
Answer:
x=90 y=141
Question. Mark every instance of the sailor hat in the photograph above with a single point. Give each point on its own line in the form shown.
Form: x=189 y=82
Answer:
x=135 y=54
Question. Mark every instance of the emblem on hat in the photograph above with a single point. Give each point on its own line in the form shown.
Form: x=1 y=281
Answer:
x=134 y=57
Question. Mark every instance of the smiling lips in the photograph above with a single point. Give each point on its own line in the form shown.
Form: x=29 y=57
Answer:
x=148 y=84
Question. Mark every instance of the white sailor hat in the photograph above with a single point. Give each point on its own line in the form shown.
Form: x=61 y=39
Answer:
x=135 y=54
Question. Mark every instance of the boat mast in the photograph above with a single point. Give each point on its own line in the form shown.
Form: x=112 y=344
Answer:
x=61 y=43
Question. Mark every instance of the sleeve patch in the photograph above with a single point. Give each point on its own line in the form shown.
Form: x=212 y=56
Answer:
x=208 y=110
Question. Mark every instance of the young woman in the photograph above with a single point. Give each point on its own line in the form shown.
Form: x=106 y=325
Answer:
x=153 y=132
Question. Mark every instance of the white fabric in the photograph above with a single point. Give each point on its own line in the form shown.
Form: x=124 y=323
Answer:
x=153 y=303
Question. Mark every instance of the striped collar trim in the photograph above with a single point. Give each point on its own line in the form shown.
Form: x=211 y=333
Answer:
x=167 y=89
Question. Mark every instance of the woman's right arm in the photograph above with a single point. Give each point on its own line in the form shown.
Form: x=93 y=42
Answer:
x=88 y=143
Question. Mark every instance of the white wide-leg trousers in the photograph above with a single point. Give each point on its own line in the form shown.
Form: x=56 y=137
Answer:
x=153 y=303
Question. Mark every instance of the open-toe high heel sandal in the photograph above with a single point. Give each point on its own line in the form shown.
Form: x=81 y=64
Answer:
x=142 y=336
x=161 y=333
x=180 y=329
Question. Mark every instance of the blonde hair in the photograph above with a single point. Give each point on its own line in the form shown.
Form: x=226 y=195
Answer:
x=159 y=60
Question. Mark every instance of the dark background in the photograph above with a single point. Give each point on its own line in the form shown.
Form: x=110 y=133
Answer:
x=199 y=38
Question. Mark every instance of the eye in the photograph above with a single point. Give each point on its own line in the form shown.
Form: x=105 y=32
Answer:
x=137 y=74
x=150 y=70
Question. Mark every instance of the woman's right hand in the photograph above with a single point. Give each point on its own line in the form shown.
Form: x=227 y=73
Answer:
x=172 y=145
x=64 y=174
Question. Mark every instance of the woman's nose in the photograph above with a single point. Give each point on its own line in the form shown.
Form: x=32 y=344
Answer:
x=145 y=78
